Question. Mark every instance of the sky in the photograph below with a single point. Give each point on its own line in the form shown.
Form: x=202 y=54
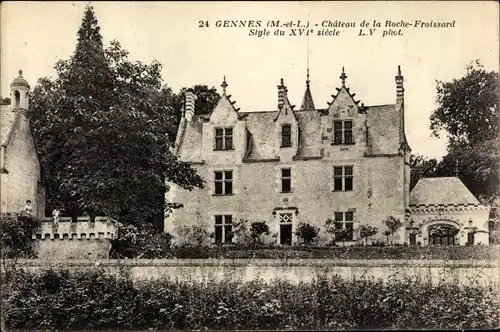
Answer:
x=34 y=35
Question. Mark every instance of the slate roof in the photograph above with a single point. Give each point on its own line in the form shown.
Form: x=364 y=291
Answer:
x=307 y=101
x=443 y=190
x=383 y=130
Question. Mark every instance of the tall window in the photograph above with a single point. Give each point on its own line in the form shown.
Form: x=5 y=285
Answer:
x=343 y=178
x=286 y=135
x=286 y=180
x=223 y=229
x=345 y=220
x=223 y=138
x=342 y=132
x=224 y=182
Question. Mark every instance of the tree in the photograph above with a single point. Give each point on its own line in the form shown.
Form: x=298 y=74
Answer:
x=393 y=224
x=468 y=106
x=421 y=167
x=468 y=111
x=366 y=231
x=206 y=98
x=336 y=230
x=477 y=166
x=307 y=232
x=103 y=134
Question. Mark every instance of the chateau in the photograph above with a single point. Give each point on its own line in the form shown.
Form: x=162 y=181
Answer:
x=349 y=163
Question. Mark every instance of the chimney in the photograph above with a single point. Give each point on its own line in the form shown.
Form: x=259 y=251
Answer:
x=400 y=90
x=189 y=106
x=282 y=91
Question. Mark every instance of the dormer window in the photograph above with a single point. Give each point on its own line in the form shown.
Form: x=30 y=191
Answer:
x=223 y=138
x=342 y=132
x=286 y=136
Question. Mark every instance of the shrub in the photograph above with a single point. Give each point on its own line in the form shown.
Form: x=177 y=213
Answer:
x=393 y=224
x=192 y=235
x=16 y=231
x=307 y=232
x=258 y=230
x=93 y=300
x=142 y=241
x=241 y=233
x=366 y=231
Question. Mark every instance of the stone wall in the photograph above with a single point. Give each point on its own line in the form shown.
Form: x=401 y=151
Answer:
x=464 y=272
x=75 y=240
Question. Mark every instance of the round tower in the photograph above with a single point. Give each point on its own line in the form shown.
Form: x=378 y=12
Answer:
x=19 y=93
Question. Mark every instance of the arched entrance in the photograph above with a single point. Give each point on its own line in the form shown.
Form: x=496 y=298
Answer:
x=444 y=235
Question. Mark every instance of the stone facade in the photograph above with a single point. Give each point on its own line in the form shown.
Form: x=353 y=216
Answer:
x=348 y=162
x=19 y=166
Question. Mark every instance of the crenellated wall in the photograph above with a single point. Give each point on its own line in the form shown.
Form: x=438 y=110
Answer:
x=75 y=240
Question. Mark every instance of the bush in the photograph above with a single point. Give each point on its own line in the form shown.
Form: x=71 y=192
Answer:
x=142 y=241
x=16 y=231
x=92 y=300
x=258 y=230
x=307 y=232
x=366 y=231
x=194 y=235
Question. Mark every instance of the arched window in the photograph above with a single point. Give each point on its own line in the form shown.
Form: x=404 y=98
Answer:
x=17 y=99
x=442 y=235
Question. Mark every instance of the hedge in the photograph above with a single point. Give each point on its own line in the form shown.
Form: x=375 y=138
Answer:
x=311 y=252
x=60 y=300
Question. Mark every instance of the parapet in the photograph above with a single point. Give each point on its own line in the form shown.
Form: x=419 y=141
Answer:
x=102 y=228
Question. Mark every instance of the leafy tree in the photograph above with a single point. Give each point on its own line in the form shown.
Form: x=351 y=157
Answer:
x=468 y=106
x=206 y=100
x=336 y=230
x=421 y=167
x=393 y=224
x=307 y=232
x=103 y=133
x=366 y=231
x=476 y=165
x=257 y=229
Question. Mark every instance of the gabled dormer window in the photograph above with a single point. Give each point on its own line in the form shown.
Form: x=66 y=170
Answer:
x=342 y=132
x=286 y=136
x=223 y=138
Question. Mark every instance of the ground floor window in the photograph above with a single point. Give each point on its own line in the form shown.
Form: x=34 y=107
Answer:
x=286 y=220
x=442 y=235
x=344 y=220
x=413 y=239
x=223 y=229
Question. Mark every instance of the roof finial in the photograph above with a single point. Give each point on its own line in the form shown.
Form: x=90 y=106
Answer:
x=308 y=80
x=20 y=72
x=457 y=169
x=343 y=77
x=224 y=85
x=399 y=70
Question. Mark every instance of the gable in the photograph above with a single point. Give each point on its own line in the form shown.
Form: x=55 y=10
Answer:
x=224 y=112
x=343 y=102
